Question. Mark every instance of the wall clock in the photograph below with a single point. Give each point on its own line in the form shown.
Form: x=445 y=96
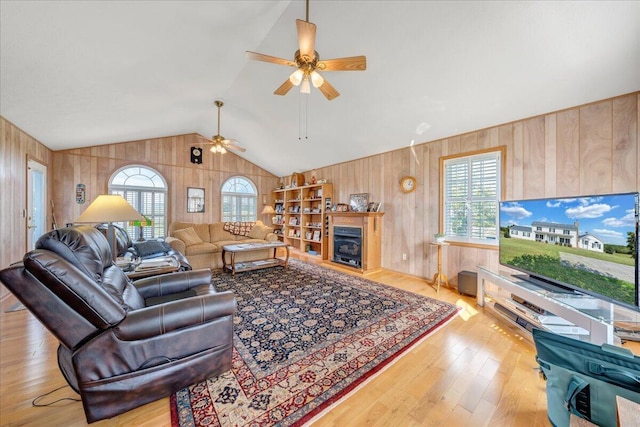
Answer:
x=196 y=155
x=408 y=184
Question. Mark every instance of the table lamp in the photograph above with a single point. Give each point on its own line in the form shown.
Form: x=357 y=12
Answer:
x=268 y=210
x=109 y=208
x=138 y=223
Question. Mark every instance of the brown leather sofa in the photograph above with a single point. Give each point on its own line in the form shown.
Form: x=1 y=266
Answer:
x=122 y=343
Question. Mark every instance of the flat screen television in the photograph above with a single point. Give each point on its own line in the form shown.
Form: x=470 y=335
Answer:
x=587 y=244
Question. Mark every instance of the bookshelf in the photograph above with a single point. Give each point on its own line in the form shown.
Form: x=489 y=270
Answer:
x=301 y=217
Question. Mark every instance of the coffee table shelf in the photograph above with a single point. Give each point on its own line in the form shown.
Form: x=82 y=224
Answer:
x=235 y=267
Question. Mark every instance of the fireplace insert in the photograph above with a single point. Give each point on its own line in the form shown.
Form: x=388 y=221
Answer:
x=347 y=246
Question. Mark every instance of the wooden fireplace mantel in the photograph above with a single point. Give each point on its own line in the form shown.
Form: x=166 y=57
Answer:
x=371 y=225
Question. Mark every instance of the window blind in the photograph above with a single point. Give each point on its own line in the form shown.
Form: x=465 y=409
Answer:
x=471 y=196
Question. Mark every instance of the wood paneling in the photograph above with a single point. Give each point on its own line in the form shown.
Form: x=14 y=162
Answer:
x=582 y=150
x=16 y=146
x=170 y=157
x=596 y=148
x=587 y=149
x=625 y=142
x=568 y=152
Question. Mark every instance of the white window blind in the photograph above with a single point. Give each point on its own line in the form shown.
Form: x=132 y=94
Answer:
x=146 y=190
x=471 y=195
x=239 y=200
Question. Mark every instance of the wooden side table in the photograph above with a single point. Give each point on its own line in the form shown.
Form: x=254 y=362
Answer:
x=439 y=277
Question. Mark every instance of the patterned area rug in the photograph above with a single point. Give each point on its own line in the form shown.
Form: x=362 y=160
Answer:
x=304 y=337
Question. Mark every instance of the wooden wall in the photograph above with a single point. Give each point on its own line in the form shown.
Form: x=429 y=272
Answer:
x=93 y=166
x=16 y=146
x=590 y=149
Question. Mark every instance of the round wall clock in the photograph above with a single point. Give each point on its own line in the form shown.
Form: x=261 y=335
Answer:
x=408 y=184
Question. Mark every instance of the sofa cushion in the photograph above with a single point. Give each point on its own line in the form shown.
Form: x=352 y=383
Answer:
x=188 y=236
x=259 y=231
x=201 y=248
x=202 y=229
x=218 y=234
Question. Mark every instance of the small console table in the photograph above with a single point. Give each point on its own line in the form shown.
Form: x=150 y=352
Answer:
x=439 y=277
x=576 y=315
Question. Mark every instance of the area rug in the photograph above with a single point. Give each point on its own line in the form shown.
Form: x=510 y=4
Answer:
x=304 y=337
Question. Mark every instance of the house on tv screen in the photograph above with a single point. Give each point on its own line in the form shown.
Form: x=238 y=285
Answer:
x=557 y=234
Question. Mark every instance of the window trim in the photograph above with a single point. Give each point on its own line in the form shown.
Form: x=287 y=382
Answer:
x=164 y=189
x=502 y=149
x=254 y=195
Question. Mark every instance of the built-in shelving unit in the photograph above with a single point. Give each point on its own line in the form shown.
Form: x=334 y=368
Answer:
x=301 y=217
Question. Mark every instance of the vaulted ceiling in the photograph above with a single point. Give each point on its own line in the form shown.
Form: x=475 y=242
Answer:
x=76 y=74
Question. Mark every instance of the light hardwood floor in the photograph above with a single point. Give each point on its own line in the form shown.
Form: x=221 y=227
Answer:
x=473 y=372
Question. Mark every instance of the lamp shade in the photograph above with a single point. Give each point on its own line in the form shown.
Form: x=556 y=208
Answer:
x=109 y=208
x=268 y=209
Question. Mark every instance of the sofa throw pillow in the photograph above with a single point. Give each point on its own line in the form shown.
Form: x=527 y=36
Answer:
x=259 y=231
x=239 y=228
x=188 y=236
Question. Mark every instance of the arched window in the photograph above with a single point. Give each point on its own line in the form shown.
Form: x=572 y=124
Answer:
x=239 y=199
x=146 y=190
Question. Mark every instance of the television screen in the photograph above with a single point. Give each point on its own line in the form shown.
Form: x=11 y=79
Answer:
x=589 y=243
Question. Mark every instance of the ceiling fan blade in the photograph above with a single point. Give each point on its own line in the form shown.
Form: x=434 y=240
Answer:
x=328 y=91
x=284 y=88
x=352 y=63
x=268 y=58
x=306 y=37
x=234 y=148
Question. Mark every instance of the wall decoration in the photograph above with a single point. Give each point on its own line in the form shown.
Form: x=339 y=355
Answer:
x=81 y=191
x=196 y=155
x=373 y=207
x=195 y=200
x=359 y=202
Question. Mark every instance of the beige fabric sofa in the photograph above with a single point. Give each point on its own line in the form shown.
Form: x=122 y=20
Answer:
x=202 y=243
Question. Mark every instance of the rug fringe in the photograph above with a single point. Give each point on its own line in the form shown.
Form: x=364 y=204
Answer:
x=373 y=376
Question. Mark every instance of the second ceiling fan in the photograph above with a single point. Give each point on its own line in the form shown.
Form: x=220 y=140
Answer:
x=308 y=63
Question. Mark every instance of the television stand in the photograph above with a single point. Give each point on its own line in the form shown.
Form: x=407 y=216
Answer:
x=567 y=314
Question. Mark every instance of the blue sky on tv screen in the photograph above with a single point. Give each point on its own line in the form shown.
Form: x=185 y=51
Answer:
x=607 y=217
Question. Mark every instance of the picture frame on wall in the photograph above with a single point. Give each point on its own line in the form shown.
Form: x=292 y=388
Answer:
x=195 y=200
x=359 y=202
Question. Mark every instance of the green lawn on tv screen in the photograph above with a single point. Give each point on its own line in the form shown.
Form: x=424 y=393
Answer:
x=544 y=259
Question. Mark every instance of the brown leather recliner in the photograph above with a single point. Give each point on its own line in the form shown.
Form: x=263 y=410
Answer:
x=122 y=343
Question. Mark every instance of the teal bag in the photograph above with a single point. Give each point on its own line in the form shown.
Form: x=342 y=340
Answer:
x=584 y=379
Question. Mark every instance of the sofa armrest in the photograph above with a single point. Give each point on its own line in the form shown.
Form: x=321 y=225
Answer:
x=161 y=319
x=176 y=244
x=271 y=237
x=166 y=284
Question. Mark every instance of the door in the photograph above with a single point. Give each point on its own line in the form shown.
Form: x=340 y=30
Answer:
x=36 y=202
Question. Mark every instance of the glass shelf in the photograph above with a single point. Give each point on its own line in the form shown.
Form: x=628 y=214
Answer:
x=594 y=317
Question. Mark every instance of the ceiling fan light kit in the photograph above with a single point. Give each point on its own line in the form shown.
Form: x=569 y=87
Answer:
x=219 y=143
x=307 y=61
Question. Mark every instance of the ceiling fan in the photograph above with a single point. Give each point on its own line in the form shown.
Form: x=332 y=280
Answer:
x=308 y=63
x=220 y=144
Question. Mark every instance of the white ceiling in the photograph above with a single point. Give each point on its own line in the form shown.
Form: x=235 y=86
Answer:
x=83 y=73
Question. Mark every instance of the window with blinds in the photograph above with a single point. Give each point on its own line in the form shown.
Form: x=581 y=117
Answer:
x=471 y=192
x=239 y=200
x=146 y=190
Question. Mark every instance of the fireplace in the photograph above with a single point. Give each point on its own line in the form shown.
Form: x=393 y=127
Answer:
x=347 y=246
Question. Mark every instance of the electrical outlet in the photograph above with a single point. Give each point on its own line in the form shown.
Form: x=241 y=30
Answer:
x=404 y=257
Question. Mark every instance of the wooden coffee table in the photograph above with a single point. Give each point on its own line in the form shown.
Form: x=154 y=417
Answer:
x=234 y=267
